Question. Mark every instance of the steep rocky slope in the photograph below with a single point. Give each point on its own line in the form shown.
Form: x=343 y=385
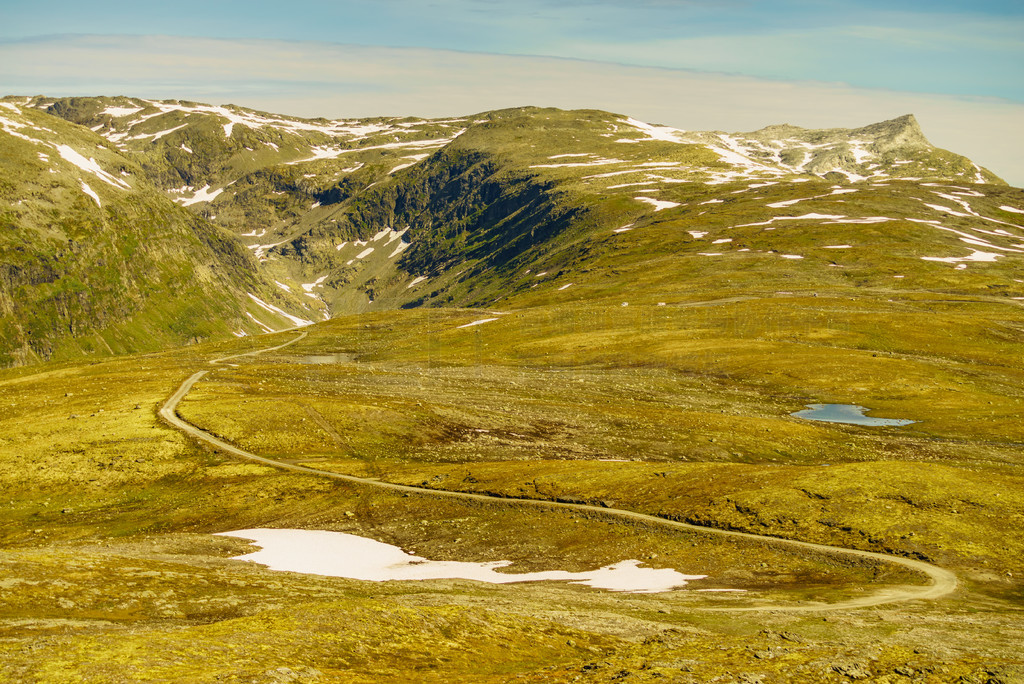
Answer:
x=97 y=261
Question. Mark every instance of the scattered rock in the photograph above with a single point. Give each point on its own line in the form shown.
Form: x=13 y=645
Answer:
x=851 y=670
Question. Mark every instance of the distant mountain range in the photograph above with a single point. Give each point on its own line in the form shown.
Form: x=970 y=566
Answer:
x=131 y=225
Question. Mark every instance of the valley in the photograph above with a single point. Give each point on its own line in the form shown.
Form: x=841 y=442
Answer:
x=560 y=339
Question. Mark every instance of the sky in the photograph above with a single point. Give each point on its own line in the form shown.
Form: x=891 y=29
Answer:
x=694 y=64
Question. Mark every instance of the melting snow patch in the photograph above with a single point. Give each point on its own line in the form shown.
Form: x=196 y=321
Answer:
x=697 y=234
x=838 y=246
x=624 y=229
x=308 y=287
x=657 y=204
x=480 y=322
x=89 y=191
x=416 y=281
x=118 y=112
x=90 y=165
x=976 y=255
x=264 y=326
x=1012 y=209
x=710 y=253
x=787 y=203
x=201 y=195
x=401 y=247
x=565 y=287
x=298 y=322
x=791 y=256
x=721 y=241
x=283 y=286
x=337 y=554
x=186 y=148
x=568 y=165
x=365 y=253
x=666 y=133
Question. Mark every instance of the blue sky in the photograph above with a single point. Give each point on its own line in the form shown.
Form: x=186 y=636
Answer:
x=941 y=46
x=698 y=64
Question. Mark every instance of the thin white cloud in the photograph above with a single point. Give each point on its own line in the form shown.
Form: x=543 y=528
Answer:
x=318 y=79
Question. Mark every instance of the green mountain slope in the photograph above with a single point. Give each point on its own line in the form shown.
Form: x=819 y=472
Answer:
x=523 y=207
x=97 y=261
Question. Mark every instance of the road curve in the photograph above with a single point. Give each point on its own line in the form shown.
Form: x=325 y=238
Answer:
x=942 y=581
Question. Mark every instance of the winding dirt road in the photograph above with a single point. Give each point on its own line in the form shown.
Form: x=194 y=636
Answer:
x=942 y=581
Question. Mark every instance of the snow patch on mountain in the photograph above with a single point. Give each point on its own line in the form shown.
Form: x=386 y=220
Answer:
x=659 y=205
x=201 y=195
x=90 y=165
x=91 y=193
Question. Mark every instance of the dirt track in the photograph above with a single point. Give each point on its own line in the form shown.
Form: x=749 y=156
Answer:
x=943 y=581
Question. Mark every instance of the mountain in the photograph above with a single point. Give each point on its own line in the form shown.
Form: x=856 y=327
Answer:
x=622 y=323
x=197 y=207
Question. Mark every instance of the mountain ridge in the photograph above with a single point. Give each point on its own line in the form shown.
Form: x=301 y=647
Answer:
x=346 y=216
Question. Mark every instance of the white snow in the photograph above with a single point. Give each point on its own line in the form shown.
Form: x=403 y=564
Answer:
x=380 y=235
x=90 y=165
x=12 y=107
x=565 y=287
x=395 y=235
x=416 y=281
x=89 y=191
x=337 y=554
x=308 y=287
x=414 y=159
x=264 y=326
x=201 y=195
x=717 y=201
x=792 y=218
x=697 y=234
x=658 y=205
x=157 y=136
x=624 y=229
x=973 y=256
x=571 y=154
x=186 y=148
x=791 y=256
x=365 y=253
x=837 y=246
x=1012 y=209
x=653 y=132
x=721 y=241
x=568 y=165
x=480 y=322
x=118 y=112
x=401 y=247
x=866 y=219
x=298 y=322
x=283 y=286
x=710 y=253
x=787 y=203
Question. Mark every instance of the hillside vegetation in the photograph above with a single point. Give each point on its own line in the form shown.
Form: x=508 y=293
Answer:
x=530 y=304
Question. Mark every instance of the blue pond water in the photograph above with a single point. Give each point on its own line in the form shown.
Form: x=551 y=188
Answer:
x=845 y=413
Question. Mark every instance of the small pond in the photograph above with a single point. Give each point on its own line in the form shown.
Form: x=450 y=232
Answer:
x=845 y=413
x=337 y=554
